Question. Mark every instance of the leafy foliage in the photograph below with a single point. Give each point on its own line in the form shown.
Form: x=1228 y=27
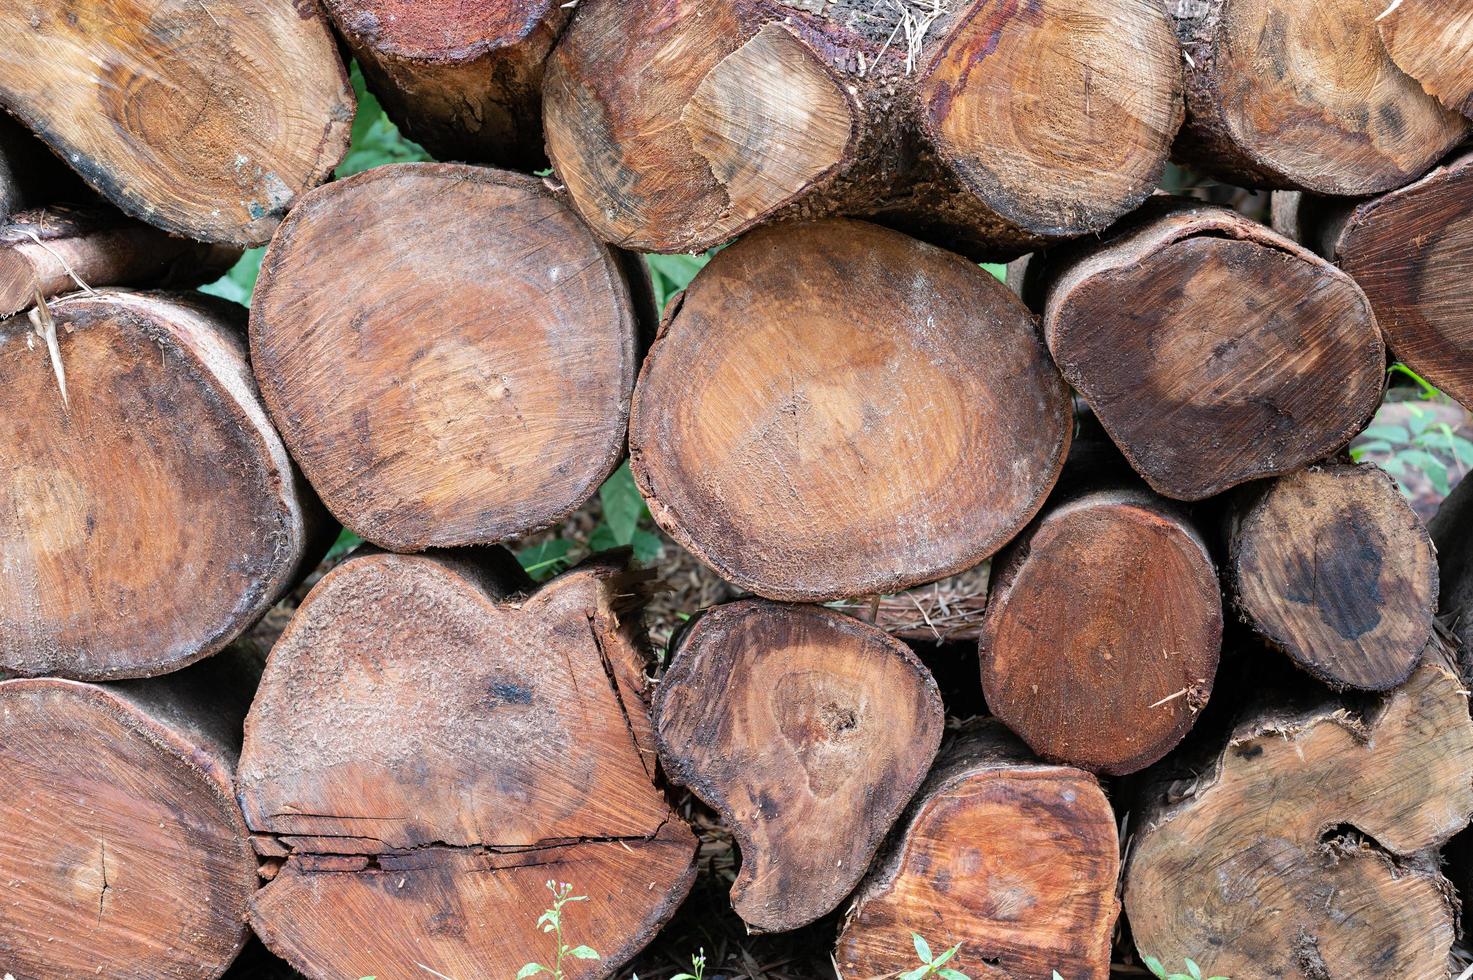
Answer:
x=932 y=966
x=551 y=921
x=625 y=523
x=1194 y=972
x=375 y=141
x=669 y=274
x=1400 y=448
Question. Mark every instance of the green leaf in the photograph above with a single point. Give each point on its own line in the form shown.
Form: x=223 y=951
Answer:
x=345 y=543
x=683 y=976
x=583 y=953
x=648 y=548
x=239 y=280
x=998 y=269
x=623 y=506
x=1360 y=449
x=917 y=973
x=1056 y=976
x=1154 y=965
x=1419 y=419
x=546 y=558
x=1391 y=433
x=531 y=970
x=950 y=974
x=1429 y=464
x=1428 y=391
x=1193 y=969
x=923 y=949
x=375 y=139
x=946 y=955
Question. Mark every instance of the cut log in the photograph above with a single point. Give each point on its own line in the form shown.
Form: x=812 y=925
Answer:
x=1452 y=533
x=1332 y=565
x=809 y=732
x=480 y=376
x=1214 y=351
x=1302 y=94
x=62 y=249
x=1306 y=848
x=148 y=510
x=1432 y=41
x=427 y=750
x=1015 y=860
x=463 y=79
x=815 y=421
x=1410 y=251
x=678 y=124
x=1103 y=630
x=205 y=119
x=122 y=850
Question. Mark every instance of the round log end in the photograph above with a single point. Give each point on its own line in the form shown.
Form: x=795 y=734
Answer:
x=1432 y=41
x=808 y=731
x=445 y=30
x=475 y=386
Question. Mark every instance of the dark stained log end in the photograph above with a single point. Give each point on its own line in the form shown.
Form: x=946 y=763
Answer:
x=1432 y=41
x=1015 y=860
x=809 y=732
x=1333 y=566
x=1214 y=351
x=475 y=386
x=815 y=421
x=151 y=515
x=1102 y=632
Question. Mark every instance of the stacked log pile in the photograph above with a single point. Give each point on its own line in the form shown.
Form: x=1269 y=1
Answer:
x=1204 y=677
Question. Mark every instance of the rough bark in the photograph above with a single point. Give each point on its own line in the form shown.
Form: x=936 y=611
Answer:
x=1015 y=860
x=1432 y=41
x=475 y=384
x=1410 y=251
x=1302 y=94
x=1212 y=350
x=1103 y=630
x=809 y=732
x=121 y=847
x=205 y=119
x=148 y=512
x=60 y=249
x=427 y=749
x=1332 y=565
x=1306 y=848
x=818 y=420
x=678 y=124
x=461 y=77
x=1452 y=534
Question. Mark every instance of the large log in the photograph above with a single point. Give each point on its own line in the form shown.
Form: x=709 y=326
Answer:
x=1015 y=860
x=206 y=119
x=1332 y=565
x=428 y=748
x=475 y=385
x=1102 y=632
x=1212 y=350
x=816 y=422
x=1306 y=847
x=62 y=249
x=1410 y=251
x=1302 y=94
x=678 y=124
x=122 y=850
x=148 y=510
x=809 y=732
x=1432 y=41
x=463 y=79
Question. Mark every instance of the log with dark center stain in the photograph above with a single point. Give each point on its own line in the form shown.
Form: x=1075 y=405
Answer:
x=1334 y=567
x=1432 y=41
x=1102 y=632
x=1303 y=94
x=678 y=124
x=461 y=77
x=428 y=747
x=121 y=847
x=1013 y=859
x=808 y=731
x=205 y=119
x=479 y=374
x=151 y=514
x=1307 y=846
x=836 y=410
x=1212 y=350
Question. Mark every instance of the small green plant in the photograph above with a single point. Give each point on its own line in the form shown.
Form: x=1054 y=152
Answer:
x=1194 y=972
x=625 y=523
x=1400 y=448
x=551 y=921
x=932 y=966
x=697 y=966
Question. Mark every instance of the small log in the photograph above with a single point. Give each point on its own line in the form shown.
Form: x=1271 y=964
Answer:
x=1212 y=350
x=479 y=378
x=1451 y=529
x=62 y=249
x=122 y=850
x=463 y=79
x=206 y=119
x=1015 y=860
x=1103 y=630
x=1306 y=847
x=678 y=124
x=809 y=732
x=1332 y=566
x=1410 y=251
x=428 y=748
x=148 y=510
x=815 y=421
x=1302 y=94
x=1432 y=41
